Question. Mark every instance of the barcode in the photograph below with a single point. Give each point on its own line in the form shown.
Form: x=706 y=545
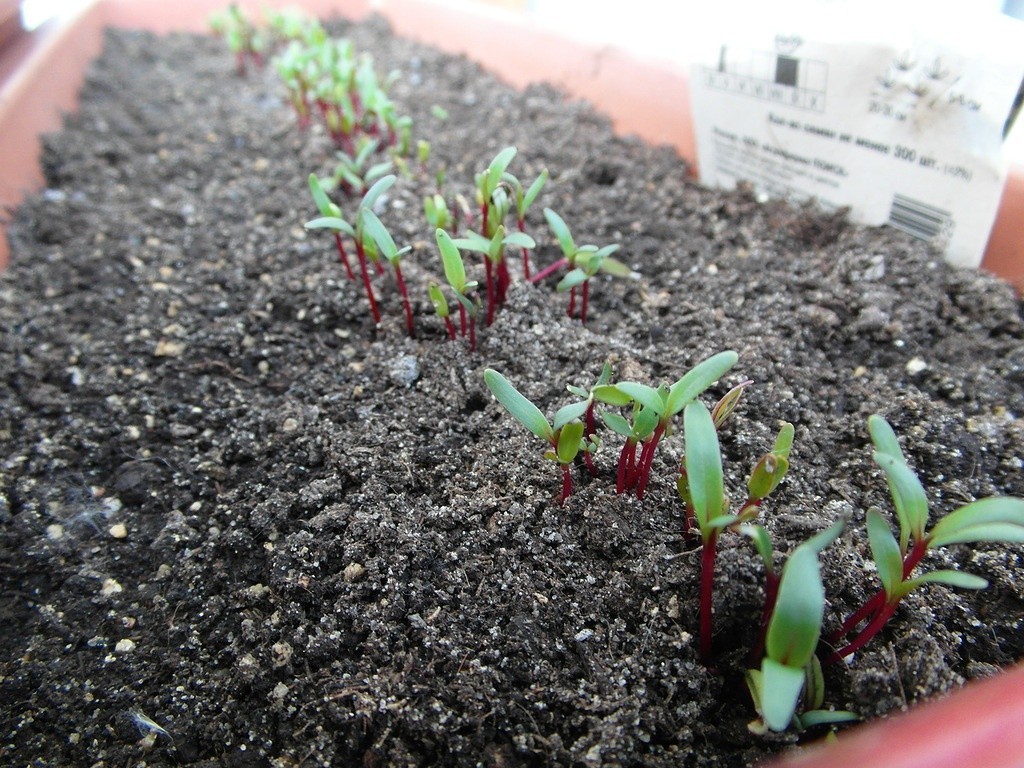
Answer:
x=918 y=219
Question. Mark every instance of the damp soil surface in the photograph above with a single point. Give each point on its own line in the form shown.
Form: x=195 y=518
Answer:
x=232 y=505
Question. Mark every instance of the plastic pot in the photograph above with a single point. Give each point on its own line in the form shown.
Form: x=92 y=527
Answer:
x=980 y=726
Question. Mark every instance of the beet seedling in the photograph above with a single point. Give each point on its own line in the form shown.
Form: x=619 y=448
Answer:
x=588 y=408
x=378 y=233
x=789 y=667
x=564 y=434
x=493 y=251
x=583 y=262
x=701 y=485
x=331 y=219
x=455 y=272
x=653 y=410
x=523 y=201
x=355 y=174
x=995 y=519
x=243 y=39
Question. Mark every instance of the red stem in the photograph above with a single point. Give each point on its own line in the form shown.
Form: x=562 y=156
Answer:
x=526 y=253
x=771 y=594
x=707 y=584
x=405 y=300
x=566 y=484
x=627 y=457
x=865 y=635
x=472 y=334
x=451 y=328
x=361 y=253
x=647 y=459
x=490 y=289
x=343 y=256
x=550 y=269
x=583 y=304
x=572 y=302
x=462 y=319
x=504 y=280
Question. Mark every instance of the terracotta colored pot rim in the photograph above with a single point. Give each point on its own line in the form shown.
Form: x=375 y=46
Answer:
x=979 y=726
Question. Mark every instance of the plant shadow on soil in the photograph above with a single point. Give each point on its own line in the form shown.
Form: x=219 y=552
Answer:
x=338 y=548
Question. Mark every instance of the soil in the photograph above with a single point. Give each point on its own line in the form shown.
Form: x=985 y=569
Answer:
x=232 y=505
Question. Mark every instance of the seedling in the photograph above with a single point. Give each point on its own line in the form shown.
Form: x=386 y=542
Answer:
x=995 y=519
x=356 y=174
x=583 y=262
x=441 y=308
x=363 y=242
x=493 y=251
x=588 y=416
x=331 y=219
x=653 y=410
x=702 y=488
x=435 y=208
x=564 y=434
x=241 y=35
x=378 y=233
x=789 y=667
x=455 y=272
x=523 y=201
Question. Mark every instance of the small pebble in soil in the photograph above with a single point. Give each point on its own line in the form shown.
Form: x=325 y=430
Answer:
x=124 y=646
x=353 y=572
x=119 y=531
x=405 y=370
x=110 y=587
x=916 y=365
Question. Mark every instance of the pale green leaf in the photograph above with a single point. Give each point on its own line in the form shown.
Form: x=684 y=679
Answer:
x=703 y=462
x=567 y=413
x=780 y=692
x=570 y=439
x=702 y=376
x=795 y=625
x=885 y=551
x=525 y=412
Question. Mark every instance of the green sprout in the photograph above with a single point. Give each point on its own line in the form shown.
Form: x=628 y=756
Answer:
x=995 y=519
x=435 y=208
x=330 y=218
x=584 y=262
x=493 y=251
x=364 y=243
x=455 y=272
x=589 y=412
x=524 y=199
x=789 y=667
x=378 y=233
x=701 y=485
x=241 y=35
x=653 y=411
x=564 y=434
x=440 y=304
x=356 y=174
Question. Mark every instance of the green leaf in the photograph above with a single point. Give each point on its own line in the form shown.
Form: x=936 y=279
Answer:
x=784 y=440
x=649 y=397
x=826 y=717
x=702 y=376
x=822 y=539
x=567 y=413
x=795 y=625
x=379 y=188
x=727 y=404
x=780 y=692
x=883 y=437
x=611 y=394
x=533 y=191
x=885 y=551
x=617 y=424
x=1002 y=532
x=703 y=461
x=814 y=685
x=438 y=300
x=561 y=233
x=333 y=223
x=376 y=230
x=613 y=267
x=569 y=441
x=497 y=168
x=762 y=543
x=766 y=476
x=473 y=241
x=519 y=240
x=997 y=509
x=454 y=268
x=525 y=412
x=957 y=579
x=323 y=203
x=908 y=497
x=573 y=278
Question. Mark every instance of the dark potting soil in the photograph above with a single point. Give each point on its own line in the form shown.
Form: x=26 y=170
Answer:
x=233 y=506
